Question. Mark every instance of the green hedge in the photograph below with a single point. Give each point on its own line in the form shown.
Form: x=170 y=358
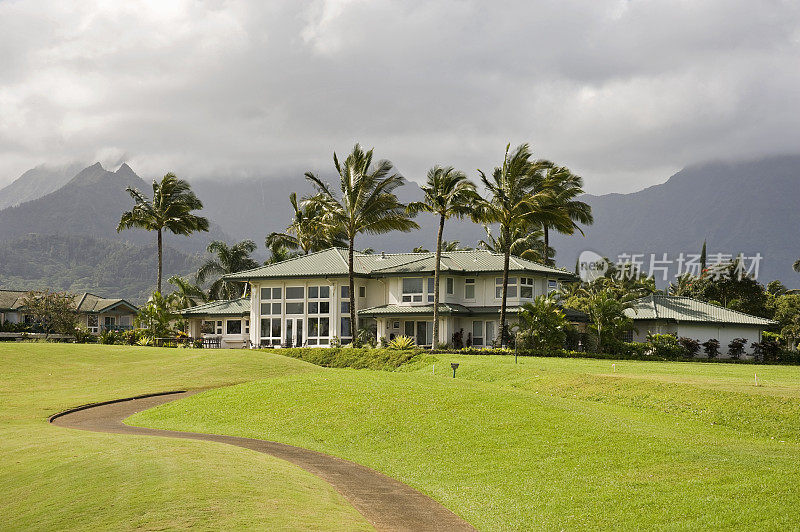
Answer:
x=351 y=357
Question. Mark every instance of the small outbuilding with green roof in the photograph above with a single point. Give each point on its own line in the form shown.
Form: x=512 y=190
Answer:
x=688 y=317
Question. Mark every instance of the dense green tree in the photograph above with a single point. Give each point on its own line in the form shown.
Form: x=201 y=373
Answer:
x=227 y=260
x=366 y=203
x=157 y=316
x=170 y=209
x=53 y=312
x=447 y=193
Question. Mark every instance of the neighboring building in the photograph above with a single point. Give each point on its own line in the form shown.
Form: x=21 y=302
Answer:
x=305 y=300
x=95 y=313
x=228 y=321
x=687 y=317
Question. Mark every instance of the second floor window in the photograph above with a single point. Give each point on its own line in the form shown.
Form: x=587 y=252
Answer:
x=450 y=286
x=469 y=288
x=525 y=287
x=319 y=300
x=431 y=291
x=498 y=287
x=412 y=290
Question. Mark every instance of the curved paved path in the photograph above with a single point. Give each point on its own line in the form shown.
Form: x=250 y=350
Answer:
x=386 y=503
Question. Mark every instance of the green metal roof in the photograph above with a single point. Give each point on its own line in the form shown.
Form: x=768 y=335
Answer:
x=225 y=307
x=679 y=308
x=333 y=263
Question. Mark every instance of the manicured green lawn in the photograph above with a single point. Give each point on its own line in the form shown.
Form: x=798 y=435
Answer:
x=53 y=478
x=547 y=443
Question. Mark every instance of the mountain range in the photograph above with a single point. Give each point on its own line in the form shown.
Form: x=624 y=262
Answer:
x=746 y=207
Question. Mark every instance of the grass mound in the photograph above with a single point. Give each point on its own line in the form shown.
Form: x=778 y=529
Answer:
x=356 y=358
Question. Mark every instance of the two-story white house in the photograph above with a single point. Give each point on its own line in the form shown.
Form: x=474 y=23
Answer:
x=305 y=300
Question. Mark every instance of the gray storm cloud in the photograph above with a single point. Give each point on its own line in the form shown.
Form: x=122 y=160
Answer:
x=622 y=92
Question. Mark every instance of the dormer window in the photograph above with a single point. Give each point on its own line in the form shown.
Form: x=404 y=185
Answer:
x=412 y=290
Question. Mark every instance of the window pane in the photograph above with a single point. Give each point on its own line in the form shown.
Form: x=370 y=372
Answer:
x=276 y=293
x=477 y=329
x=324 y=327
x=312 y=341
x=313 y=328
x=410 y=329
x=313 y=307
x=265 y=327
x=450 y=285
x=512 y=280
x=430 y=285
x=294 y=308
x=345 y=292
x=498 y=292
x=276 y=309
x=313 y=292
x=324 y=307
x=512 y=290
x=266 y=294
x=345 y=327
x=294 y=292
x=265 y=307
x=206 y=328
x=234 y=327
x=276 y=329
x=324 y=292
x=498 y=280
x=489 y=332
x=345 y=307
x=526 y=291
x=412 y=285
x=469 y=291
x=362 y=291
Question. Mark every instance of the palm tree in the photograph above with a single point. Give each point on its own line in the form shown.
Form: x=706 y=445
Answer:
x=185 y=294
x=527 y=243
x=170 y=209
x=796 y=265
x=454 y=245
x=279 y=254
x=308 y=231
x=229 y=259
x=447 y=193
x=515 y=204
x=367 y=205
x=565 y=187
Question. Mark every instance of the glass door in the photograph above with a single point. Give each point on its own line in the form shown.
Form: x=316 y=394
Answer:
x=422 y=333
x=294 y=332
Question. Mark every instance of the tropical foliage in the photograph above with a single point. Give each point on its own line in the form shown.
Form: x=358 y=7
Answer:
x=226 y=260
x=447 y=194
x=518 y=198
x=186 y=294
x=365 y=203
x=309 y=231
x=158 y=317
x=170 y=209
x=542 y=325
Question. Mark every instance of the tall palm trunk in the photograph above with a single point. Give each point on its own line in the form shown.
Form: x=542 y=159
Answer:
x=546 y=244
x=436 y=271
x=506 y=260
x=160 y=260
x=350 y=271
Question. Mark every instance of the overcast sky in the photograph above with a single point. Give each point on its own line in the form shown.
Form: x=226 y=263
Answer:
x=623 y=92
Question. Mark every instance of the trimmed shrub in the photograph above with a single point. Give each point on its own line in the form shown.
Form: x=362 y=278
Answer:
x=690 y=346
x=736 y=348
x=711 y=347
